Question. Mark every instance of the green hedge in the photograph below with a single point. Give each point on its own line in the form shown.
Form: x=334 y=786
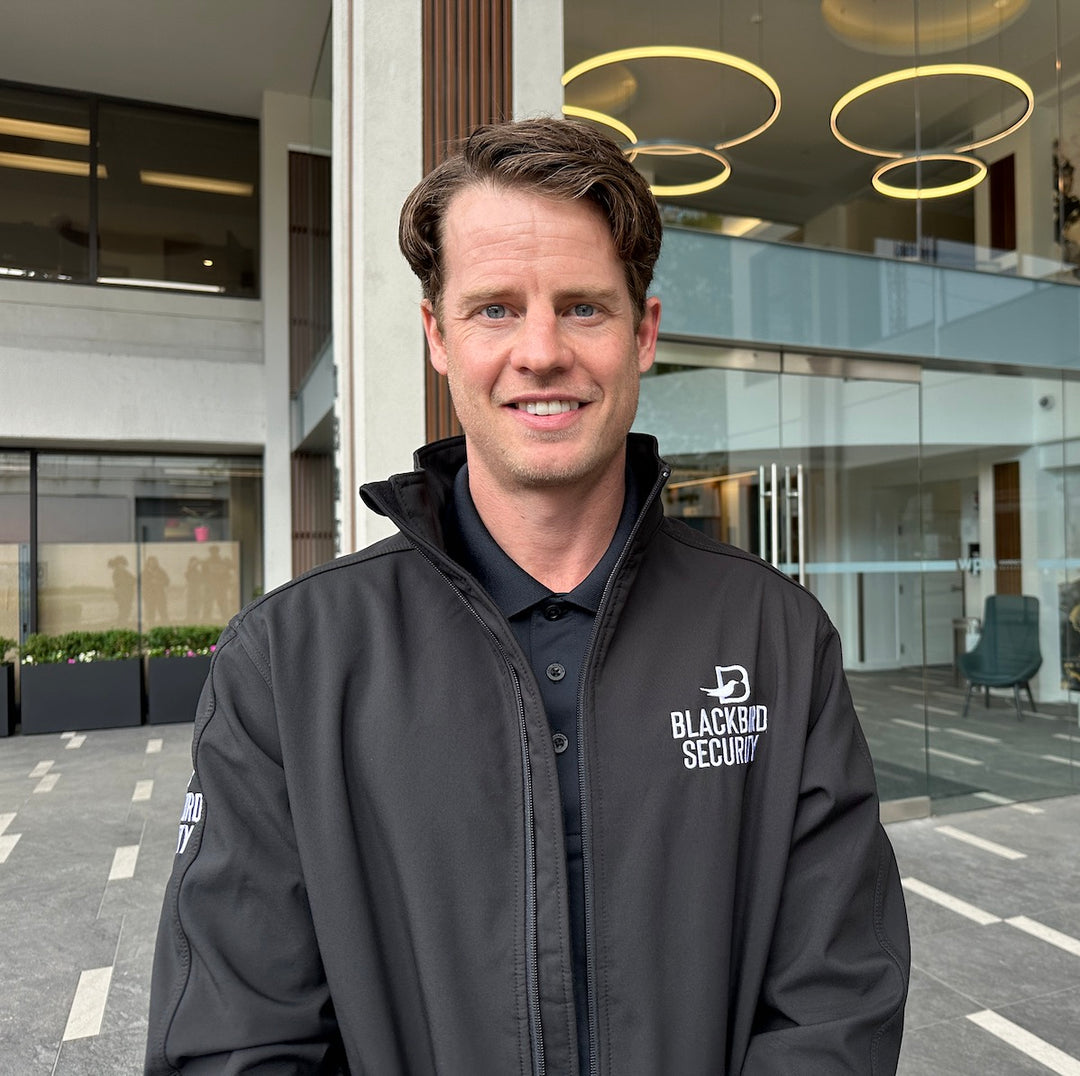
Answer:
x=6 y=646
x=82 y=646
x=189 y=641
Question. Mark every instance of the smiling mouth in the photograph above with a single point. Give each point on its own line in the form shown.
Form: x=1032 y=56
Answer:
x=547 y=407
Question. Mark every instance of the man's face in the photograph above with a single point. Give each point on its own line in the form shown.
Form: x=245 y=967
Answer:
x=536 y=335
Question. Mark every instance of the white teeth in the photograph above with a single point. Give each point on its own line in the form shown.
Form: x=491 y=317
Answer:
x=548 y=407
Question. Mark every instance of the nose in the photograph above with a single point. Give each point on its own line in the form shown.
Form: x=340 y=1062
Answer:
x=541 y=347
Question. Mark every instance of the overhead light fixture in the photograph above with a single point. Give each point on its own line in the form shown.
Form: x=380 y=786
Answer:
x=682 y=149
x=897 y=157
x=600 y=117
x=45 y=132
x=58 y=165
x=206 y=184
x=942 y=190
x=663 y=147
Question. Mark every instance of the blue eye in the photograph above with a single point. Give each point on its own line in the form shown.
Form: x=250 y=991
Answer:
x=584 y=310
x=495 y=311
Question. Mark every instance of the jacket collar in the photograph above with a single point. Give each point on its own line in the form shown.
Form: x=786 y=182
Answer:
x=416 y=500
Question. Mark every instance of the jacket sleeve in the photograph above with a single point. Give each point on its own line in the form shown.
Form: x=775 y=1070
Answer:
x=835 y=985
x=238 y=984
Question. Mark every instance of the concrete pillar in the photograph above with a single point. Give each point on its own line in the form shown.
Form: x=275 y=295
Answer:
x=378 y=342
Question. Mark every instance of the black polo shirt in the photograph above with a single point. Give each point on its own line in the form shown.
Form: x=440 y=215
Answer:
x=553 y=630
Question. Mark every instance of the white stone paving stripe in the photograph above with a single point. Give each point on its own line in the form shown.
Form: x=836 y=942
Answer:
x=906 y=690
x=6 y=820
x=991 y=797
x=947 y=900
x=76 y=741
x=88 y=1005
x=47 y=783
x=1028 y=808
x=7 y=842
x=1037 y=1049
x=981 y=842
x=1058 y=758
x=971 y=735
x=41 y=768
x=1047 y=934
x=143 y=791
x=941 y=710
x=66 y=735
x=920 y=725
x=955 y=758
x=123 y=864
x=153 y=747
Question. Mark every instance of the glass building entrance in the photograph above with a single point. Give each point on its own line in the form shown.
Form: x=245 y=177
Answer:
x=903 y=498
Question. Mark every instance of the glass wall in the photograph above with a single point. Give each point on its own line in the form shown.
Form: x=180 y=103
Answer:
x=100 y=191
x=14 y=543
x=127 y=541
x=903 y=497
x=808 y=123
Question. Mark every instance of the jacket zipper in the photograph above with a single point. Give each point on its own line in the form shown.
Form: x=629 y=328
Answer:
x=586 y=834
x=532 y=960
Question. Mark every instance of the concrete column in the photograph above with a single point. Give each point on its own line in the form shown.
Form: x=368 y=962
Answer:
x=538 y=58
x=286 y=120
x=378 y=342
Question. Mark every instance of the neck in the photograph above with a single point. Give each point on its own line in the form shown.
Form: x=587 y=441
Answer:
x=557 y=535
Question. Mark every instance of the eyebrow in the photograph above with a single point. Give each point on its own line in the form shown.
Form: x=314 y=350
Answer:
x=583 y=293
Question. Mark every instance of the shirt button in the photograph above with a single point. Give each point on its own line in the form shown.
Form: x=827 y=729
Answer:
x=555 y=672
x=553 y=612
x=560 y=743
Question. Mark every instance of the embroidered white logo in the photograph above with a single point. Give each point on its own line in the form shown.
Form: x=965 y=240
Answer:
x=723 y=735
x=734 y=688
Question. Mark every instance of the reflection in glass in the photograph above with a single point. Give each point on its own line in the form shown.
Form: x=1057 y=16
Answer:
x=44 y=185
x=181 y=203
x=138 y=541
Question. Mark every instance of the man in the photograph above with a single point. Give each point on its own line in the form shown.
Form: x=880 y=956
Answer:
x=548 y=782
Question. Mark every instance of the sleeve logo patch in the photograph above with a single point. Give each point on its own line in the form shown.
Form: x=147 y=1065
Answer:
x=726 y=734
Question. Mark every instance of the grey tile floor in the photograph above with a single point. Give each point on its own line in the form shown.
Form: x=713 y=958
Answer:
x=88 y=830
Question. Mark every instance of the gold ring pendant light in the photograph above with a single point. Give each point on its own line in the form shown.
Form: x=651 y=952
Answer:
x=962 y=154
x=671 y=148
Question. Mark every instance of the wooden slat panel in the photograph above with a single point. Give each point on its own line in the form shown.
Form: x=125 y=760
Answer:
x=1007 y=552
x=309 y=262
x=312 y=510
x=467 y=81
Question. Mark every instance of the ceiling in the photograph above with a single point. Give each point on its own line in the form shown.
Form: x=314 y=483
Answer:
x=216 y=55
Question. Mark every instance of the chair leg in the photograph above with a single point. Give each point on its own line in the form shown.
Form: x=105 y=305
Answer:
x=1016 y=700
x=967 y=697
x=1031 y=698
x=987 y=692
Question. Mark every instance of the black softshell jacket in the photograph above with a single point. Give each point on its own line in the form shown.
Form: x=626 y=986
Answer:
x=371 y=878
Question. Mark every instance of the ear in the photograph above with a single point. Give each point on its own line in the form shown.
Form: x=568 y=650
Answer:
x=646 y=334
x=436 y=346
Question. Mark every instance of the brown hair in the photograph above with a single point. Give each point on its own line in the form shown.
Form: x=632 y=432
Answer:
x=556 y=158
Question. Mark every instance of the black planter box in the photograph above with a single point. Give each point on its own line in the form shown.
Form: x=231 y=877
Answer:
x=7 y=700
x=172 y=688
x=84 y=695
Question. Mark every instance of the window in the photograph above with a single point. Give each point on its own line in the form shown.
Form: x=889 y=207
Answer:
x=117 y=193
